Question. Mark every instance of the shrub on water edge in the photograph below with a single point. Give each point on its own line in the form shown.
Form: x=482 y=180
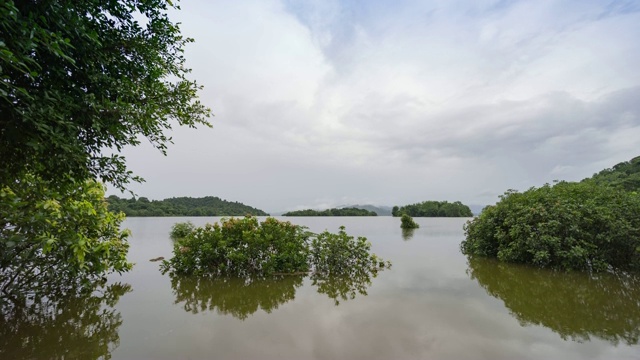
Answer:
x=243 y=247
x=570 y=226
x=406 y=222
x=181 y=230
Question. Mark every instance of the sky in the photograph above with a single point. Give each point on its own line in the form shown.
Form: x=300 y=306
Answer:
x=326 y=103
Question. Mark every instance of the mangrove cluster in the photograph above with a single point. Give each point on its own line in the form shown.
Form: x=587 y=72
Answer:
x=181 y=206
x=592 y=225
x=245 y=247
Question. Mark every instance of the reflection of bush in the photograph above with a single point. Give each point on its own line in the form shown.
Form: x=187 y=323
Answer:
x=79 y=324
x=235 y=296
x=341 y=287
x=574 y=305
x=407 y=234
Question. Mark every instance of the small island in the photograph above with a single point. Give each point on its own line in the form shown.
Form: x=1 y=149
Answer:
x=433 y=209
x=181 y=206
x=332 y=212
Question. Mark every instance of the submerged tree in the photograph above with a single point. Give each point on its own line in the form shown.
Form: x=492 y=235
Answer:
x=407 y=222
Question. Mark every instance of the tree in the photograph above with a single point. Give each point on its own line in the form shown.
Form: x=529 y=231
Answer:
x=406 y=222
x=79 y=79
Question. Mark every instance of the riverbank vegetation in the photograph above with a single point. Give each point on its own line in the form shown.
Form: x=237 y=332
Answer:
x=181 y=206
x=433 y=209
x=245 y=247
x=331 y=212
x=592 y=225
x=80 y=82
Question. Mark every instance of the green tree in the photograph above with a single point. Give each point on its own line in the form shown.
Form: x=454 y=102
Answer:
x=572 y=226
x=81 y=76
x=79 y=79
x=406 y=222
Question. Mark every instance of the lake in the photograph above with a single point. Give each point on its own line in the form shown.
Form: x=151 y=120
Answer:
x=433 y=303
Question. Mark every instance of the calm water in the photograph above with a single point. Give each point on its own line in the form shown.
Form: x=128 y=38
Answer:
x=433 y=303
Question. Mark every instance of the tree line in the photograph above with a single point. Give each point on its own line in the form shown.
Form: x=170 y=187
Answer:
x=332 y=212
x=181 y=206
x=433 y=209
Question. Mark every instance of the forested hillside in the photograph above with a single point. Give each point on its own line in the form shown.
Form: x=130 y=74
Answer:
x=181 y=206
x=625 y=175
x=331 y=212
x=434 y=209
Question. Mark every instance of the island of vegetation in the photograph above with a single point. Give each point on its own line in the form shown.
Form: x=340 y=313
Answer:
x=407 y=222
x=433 y=209
x=245 y=247
x=181 y=206
x=592 y=225
x=332 y=212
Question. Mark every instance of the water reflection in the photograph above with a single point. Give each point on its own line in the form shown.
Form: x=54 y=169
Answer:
x=242 y=297
x=407 y=234
x=576 y=306
x=234 y=296
x=70 y=324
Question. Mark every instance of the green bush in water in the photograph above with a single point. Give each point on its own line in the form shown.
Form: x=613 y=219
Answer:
x=181 y=230
x=406 y=222
x=243 y=247
x=570 y=226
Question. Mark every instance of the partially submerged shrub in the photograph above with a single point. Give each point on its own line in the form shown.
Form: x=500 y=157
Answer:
x=571 y=226
x=406 y=222
x=243 y=246
x=181 y=230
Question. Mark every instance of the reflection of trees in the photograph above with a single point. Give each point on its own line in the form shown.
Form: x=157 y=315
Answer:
x=241 y=297
x=574 y=305
x=67 y=324
x=235 y=296
x=407 y=234
x=343 y=287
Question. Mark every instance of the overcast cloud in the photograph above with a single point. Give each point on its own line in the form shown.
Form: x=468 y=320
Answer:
x=325 y=103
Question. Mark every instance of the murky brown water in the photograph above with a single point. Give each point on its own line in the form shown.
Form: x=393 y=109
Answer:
x=434 y=303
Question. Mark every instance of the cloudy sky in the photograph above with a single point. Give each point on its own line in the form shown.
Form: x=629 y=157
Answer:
x=325 y=103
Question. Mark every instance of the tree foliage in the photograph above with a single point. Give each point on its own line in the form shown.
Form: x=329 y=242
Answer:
x=47 y=236
x=572 y=226
x=244 y=247
x=625 y=175
x=78 y=77
x=79 y=80
x=332 y=212
x=181 y=206
x=407 y=222
x=433 y=209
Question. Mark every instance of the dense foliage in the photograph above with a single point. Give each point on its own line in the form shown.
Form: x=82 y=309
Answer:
x=79 y=77
x=47 y=236
x=244 y=247
x=78 y=81
x=575 y=305
x=181 y=230
x=433 y=209
x=625 y=175
x=573 y=226
x=332 y=212
x=181 y=206
x=407 y=222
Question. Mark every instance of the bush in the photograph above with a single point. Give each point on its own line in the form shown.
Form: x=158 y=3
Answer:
x=244 y=247
x=406 y=222
x=571 y=226
x=181 y=230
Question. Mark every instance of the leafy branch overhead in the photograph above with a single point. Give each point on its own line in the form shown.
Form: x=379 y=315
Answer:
x=81 y=77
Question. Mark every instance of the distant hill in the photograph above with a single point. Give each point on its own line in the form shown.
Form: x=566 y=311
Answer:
x=625 y=175
x=181 y=206
x=380 y=210
x=331 y=212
